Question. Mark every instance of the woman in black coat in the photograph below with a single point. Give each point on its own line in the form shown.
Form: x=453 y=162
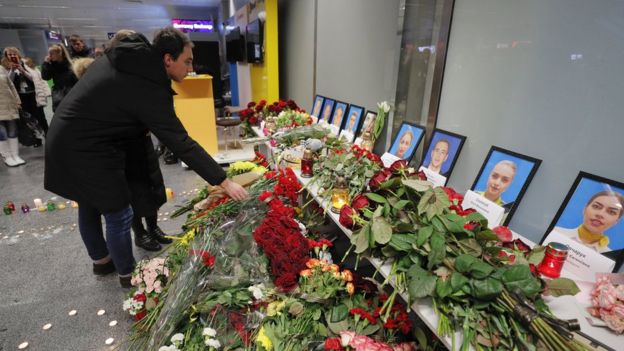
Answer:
x=58 y=67
x=119 y=97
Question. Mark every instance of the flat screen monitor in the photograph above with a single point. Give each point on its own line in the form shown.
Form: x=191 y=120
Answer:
x=234 y=45
x=254 y=40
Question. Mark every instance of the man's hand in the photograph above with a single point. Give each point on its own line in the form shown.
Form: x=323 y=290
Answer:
x=234 y=190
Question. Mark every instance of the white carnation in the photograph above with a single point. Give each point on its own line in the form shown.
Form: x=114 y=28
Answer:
x=209 y=332
x=212 y=343
x=177 y=339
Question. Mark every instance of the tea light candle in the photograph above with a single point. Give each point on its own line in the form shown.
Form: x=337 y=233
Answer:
x=74 y=204
x=38 y=203
x=169 y=193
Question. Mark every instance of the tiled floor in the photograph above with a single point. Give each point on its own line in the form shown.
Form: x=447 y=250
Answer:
x=45 y=271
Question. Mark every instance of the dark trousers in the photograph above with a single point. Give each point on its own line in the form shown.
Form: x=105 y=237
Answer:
x=118 y=241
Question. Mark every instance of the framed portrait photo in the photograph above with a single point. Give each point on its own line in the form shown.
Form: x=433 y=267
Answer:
x=352 y=122
x=316 y=107
x=504 y=177
x=591 y=214
x=335 y=122
x=406 y=141
x=441 y=155
x=327 y=110
x=369 y=123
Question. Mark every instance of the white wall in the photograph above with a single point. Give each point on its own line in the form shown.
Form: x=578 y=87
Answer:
x=358 y=44
x=514 y=79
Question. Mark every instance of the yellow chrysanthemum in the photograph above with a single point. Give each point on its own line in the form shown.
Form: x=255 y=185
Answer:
x=264 y=340
x=275 y=307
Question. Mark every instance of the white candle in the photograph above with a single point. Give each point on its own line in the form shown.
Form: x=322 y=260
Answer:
x=38 y=203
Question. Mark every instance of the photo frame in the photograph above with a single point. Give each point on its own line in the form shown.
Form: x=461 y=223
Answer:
x=368 y=124
x=317 y=106
x=327 y=110
x=591 y=214
x=337 y=116
x=504 y=177
x=352 y=122
x=442 y=153
x=406 y=141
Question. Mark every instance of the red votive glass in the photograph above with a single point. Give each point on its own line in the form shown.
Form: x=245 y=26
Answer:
x=307 y=163
x=554 y=258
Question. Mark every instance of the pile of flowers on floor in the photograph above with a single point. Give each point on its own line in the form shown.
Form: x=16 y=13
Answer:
x=254 y=279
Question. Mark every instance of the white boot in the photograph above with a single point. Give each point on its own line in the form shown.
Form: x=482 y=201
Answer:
x=13 y=148
x=4 y=152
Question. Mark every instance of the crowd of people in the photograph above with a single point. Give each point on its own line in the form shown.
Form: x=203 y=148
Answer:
x=98 y=146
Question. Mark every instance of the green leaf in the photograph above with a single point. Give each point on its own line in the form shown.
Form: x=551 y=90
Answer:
x=381 y=230
x=469 y=264
x=486 y=289
x=464 y=262
x=454 y=223
x=443 y=288
x=400 y=204
x=537 y=255
x=471 y=247
x=367 y=213
x=402 y=242
x=400 y=192
x=339 y=313
x=476 y=217
x=438 y=250
x=561 y=287
x=377 y=198
x=487 y=235
x=369 y=330
x=418 y=185
x=387 y=209
x=360 y=240
x=389 y=251
x=421 y=338
x=423 y=235
x=457 y=281
x=389 y=183
x=422 y=283
x=519 y=277
x=437 y=224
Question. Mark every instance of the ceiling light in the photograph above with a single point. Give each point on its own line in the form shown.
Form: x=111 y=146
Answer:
x=43 y=6
x=76 y=19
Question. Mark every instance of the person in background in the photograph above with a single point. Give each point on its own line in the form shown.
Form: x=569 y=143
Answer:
x=145 y=182
x=42 y=91
x=23 y=79
x=98 y=52
x=603 y=211
x=58 y=67
x=78 y=48
x=116 y=103
x=9 y=114
x=79 y=66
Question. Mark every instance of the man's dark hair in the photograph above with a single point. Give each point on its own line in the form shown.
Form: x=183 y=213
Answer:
x=74 y=38
x=170 y=41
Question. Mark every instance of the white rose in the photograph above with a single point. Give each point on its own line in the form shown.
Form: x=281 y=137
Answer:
x=177 y=338
x=213 y=343
x=209 y=332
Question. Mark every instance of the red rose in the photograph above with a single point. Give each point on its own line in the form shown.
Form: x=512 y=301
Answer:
x=517 y=245
x=510 y=257
x=375 y=158
x=346 y=217
x=140 y=315
x=534 y=270
x=253 y=120
x=376 y=181
x=139 y=297
x=421 y=175
x=398 y=165
x=471 y=226
x=453 y=196
x=359 y=202
x=333 y=344
x=251 y=104
x=262 y=102
x=503 y=233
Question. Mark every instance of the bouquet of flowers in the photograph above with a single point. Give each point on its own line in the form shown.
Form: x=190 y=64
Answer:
x=256 y=112
x=608 y=303
x=149 y=279
x=442 y=251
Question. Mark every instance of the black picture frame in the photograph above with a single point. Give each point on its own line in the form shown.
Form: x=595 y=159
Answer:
x=616 y=255
x=314 y=104
x=345 y=107
x=395 y=147
x=510 y=206
x=327 y=103
x=367 y=123
x=455 y=146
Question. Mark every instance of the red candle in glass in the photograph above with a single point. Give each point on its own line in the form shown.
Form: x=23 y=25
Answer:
x=307 y=162
x=554 y=258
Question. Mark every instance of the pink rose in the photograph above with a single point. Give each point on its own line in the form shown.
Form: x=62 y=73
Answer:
x=405 y=346
x=607 y=297
x=503 y=233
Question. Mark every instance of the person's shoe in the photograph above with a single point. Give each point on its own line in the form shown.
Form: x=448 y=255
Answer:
x=14 y=150
x=158 y=235
x=104 y=268
x=125 y=282
x=145 y=241
x=6 y=154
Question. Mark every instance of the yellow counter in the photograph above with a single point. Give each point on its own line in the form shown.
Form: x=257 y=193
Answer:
x=194 y=105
